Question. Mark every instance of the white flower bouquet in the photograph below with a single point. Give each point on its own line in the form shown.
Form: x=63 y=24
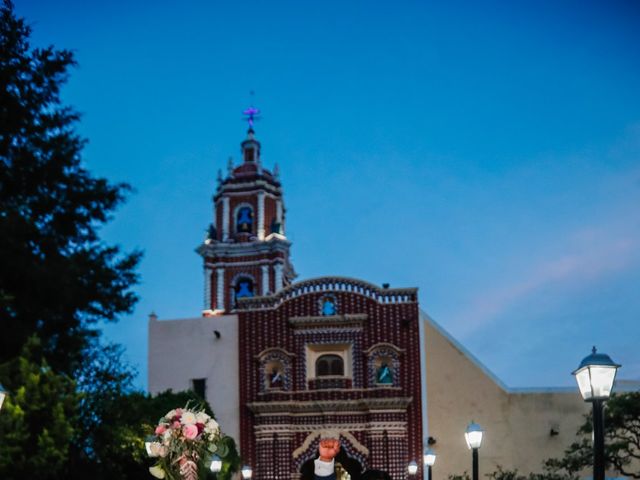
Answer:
x=184 y=443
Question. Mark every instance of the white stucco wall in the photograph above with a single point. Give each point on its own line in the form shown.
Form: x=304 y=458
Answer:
x=181 y=350
x=517 y=423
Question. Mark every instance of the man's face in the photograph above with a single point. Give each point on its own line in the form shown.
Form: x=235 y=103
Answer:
x=329 y=448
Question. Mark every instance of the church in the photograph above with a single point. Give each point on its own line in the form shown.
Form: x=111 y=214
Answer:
x=282 y=360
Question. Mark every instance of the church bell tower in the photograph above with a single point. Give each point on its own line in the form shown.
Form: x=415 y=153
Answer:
x=246 y=252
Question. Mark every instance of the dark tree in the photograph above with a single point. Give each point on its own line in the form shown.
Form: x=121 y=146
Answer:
x=622 y=439
x=38 y=420
x=57 y=278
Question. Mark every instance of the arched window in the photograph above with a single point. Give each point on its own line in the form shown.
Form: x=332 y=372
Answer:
x=329 y=365
x=244 y=220
x=244 y=287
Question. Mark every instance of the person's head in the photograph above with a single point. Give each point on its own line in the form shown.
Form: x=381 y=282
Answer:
x=375 y=475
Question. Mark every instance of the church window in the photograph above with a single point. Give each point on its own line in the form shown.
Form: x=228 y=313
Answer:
x=199 y=386
x=249 y=154
x=329 y=365
x=244 y=220
x=276 y=227
x=244 y=288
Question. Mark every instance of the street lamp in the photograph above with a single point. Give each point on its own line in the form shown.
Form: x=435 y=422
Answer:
x=595 y=376
x=473 y=436
x=429 y=460
x=247 y=473
x=3 y=394
x=412 y=468
x=216 y=464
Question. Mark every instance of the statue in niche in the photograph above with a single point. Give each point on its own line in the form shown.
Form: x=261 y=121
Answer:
x=275 y=377
x=384 y=374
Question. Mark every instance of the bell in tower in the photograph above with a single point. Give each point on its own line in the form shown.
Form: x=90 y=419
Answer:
x=246 y=251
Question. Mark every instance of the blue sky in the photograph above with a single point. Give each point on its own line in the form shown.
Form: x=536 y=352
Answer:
x=485 y=152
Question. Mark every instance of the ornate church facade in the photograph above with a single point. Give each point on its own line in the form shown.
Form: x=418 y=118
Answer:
x=324 y=354
x=281 y=361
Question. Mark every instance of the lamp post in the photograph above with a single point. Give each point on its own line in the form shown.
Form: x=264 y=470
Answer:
x=3 y=394
x=595 y=376
x=473 y=436
x=429 y=460
x=412 y=468
x=247 y=473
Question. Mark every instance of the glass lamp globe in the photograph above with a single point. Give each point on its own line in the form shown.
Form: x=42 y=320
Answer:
x=473 y=435
x=429 y=457
x=412 y=468
x=3 y=394
x=216 y=464
x=247 y=472
x=595 y=376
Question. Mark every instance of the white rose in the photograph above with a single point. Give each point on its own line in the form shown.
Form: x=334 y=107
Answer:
x=202 y=417
x=157 y=472
x=212 y=427
x=170 y=415
x=154 y=449
x=188 y=418
x=166 y=437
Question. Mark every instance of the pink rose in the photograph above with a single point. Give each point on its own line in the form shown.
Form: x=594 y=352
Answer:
x=176 y=424
x=190 y=431
x=160 y=429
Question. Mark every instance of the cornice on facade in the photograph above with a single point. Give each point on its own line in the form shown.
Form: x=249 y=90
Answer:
x=331 y=284
x=328 y=407
x=348 y=320
x=242 y=249
x=248 y=188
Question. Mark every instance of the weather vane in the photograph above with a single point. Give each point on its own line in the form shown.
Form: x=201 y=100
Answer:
x=252 y=114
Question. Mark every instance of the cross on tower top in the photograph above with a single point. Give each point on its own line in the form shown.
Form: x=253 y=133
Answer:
x=252 y=114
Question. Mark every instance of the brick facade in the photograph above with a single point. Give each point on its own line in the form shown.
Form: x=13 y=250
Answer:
x=379 y=424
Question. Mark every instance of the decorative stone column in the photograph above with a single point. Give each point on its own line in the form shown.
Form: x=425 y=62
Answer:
x=207 y=288
x=265 y=280
x=260 y=215
x=220 y=289
x=278 y=276
x=225 y=219
x=279 y=215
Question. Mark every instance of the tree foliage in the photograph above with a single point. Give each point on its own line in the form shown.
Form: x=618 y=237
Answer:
x=505 y=474
x=114 y=419
x=622 y=439
x=57 y=277
x=37 y=424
